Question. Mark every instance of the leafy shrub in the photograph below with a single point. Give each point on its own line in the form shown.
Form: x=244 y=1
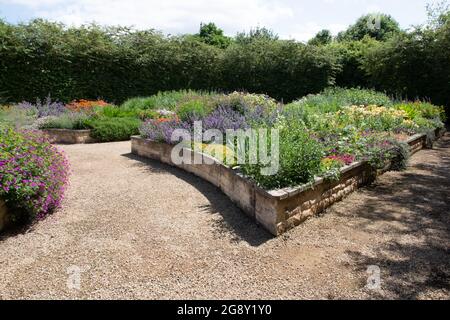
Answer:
x=333 y=99
x=147 y=114
x=241 y=101
x=163 y=100
x=141 y=103
x=350 y=56
x=11 y=116
x=113 y=129
x=212 y=35
x=193 y=109
x=330 y=167
x=299 y=159
x=33 y=174
x=421 y=109
x=111 y=111
x=69 y=120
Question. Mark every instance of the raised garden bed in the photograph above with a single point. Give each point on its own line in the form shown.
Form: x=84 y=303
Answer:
x=66 y=136
x=276 y=210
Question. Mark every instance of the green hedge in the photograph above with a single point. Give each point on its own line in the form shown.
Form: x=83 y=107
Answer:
x=41 y=58
x=284 y=70
x=415 y=65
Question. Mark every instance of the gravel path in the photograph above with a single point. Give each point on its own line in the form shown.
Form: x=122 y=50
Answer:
x=140 y=229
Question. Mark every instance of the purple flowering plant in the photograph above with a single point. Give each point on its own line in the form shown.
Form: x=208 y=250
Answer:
x=44 y=108
x=33 y=174
x=230 y=112
x=161 y=131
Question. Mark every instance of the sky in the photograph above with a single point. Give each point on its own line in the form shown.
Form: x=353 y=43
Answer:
x=290 y=19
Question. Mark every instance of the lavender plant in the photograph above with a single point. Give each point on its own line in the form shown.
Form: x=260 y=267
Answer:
x=161 y=130
x=224 y=118
x=43 y=109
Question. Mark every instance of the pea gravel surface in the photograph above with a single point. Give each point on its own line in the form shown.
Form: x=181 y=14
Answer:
x=131 y=228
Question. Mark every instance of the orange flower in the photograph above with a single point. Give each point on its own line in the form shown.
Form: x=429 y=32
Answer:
x=84 y=105
x=165 y=119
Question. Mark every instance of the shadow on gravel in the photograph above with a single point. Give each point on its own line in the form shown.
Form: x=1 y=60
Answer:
x=17 y=230
x=234 y=221
x=416 y=207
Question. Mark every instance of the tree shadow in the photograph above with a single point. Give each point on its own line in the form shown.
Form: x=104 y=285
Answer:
x=416 y=209
x=233 y=222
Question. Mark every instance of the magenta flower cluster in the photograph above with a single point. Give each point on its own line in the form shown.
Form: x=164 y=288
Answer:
x=344 y=158
x=33 y=173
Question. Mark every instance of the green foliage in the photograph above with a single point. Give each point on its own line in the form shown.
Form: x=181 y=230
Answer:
x=256 y=34
x=116 y=129
x=114 y=63
x=89 y=62
x=350 y=56
x=299 y=159
x=192 y=109
x=333 y=99
x=139 y=103
x=15 y=117
x=323 y=37
x=414 y=65
x=425 y=115
x=117 y=112
x=212 y=35
x=71 y=121
x=167 y=100
x=282 y=69
x=438 y=13
x=241 y=101
x=402 y=155
x=376 y=25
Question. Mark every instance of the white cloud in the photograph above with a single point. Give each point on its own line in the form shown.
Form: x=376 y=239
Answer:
x=291 y=19
x=170 y=16
x=33 y=3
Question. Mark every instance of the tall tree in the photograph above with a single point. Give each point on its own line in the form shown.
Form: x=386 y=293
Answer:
x=376 y=25
x=210 y=34
x=323 y=37
x=256 y=34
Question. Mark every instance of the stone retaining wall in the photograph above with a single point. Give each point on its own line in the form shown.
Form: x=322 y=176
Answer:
x=276 y=210
x=66 y=136
x=3 y=215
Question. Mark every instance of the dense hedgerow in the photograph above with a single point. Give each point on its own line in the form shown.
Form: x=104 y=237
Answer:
x=115 y=64
x=413 y=65
x=33 y=174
